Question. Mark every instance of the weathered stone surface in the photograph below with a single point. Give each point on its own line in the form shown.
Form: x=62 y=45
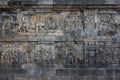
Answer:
x=109 y=72
x=12 y=71
x=60 y=42
x=34 y=2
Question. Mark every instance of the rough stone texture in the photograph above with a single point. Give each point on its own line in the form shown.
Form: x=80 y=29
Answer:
x=52 y=42
x=32 y=2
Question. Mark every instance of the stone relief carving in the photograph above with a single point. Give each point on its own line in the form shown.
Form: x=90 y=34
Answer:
x=73 y=26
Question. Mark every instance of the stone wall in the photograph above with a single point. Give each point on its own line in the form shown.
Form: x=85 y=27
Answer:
x=59 y=44
x=32 y=2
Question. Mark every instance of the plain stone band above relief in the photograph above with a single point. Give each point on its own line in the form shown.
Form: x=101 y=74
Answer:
x=31 y=2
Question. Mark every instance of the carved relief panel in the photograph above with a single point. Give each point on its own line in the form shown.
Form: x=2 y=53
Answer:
x=107 y=24
x=70 y=53
x=14 y=54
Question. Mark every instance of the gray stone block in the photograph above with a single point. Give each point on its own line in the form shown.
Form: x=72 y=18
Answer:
x=117 y=71
x=109 y=72
x=65 y=72
x=12 y=71
x=83 y=72
x=108 y=78
x=3 y=78
x=96 y=1
x=91 y=78
x=97 y=72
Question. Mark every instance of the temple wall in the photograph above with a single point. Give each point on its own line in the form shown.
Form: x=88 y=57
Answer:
x=59 y=44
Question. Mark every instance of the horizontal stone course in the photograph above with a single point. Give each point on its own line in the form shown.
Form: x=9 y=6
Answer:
x=36 y=2
x=87 y=72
